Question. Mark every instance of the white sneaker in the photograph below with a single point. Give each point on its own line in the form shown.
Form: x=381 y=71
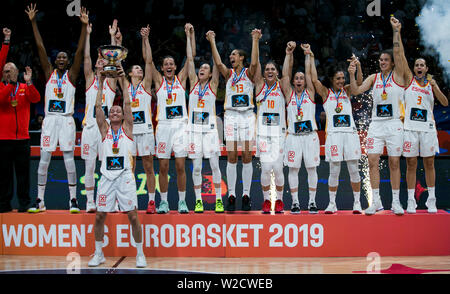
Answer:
x=357 y=207
x=90 y=206
x=39 y=206
x=397 y=208
x=140 y=261
x=412 y=205
x=375 y=207
x=97 y=260
x=431 y=204
x=331 y=208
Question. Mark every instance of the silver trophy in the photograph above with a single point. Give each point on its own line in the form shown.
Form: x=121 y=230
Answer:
x=113 y=54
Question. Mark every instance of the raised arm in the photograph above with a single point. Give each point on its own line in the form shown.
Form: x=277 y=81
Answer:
x=287 y=70
x=320 y=89
x=78 y=59
x=127 y=114
x=215 y=78
x=147 y=55
x=366 y=84
x=112 y=32
x=253 y=72
x=438 y=93
x=99 y=114
x=309 y=59
x=184 y=72
x=401 y=68
x=87 y=65
x=223 y=69
x=43 y=58
x=5 y=48
x=190 y=58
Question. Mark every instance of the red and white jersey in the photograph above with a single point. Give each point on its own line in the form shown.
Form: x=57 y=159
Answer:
x=239 y=96
x=114 y=164
x=141 y=108
x=271 y=116
x=391 y=108
x=419 y=103
x=307 y=112
x=202 y=111
x=173 y=109
x=64 y=103
x=341 y=121
x=91 y=96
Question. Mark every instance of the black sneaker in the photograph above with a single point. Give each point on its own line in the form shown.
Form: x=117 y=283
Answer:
x=74 y=206
x=295 y=208
x=246 y=203
x=313 y=209
x=231 y=205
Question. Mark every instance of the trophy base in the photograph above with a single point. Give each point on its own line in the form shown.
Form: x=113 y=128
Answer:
x=110 y=71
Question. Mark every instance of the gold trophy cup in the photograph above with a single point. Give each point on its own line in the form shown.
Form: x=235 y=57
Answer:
x=113 y=54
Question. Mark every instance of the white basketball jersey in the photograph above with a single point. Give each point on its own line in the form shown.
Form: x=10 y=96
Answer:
x=419 y=107
x=271 y=111
x=341 y=121
x=59 y=102
x=91 y=96
x=202 y=111
x=113 y=165
x=306 y=123
x=173 y=109
x=239 y=95
x=393 y=106
x=141 y=108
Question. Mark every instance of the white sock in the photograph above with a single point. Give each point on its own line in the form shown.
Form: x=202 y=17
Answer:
x=411 y=193
x=431 y=191
x=356 y=196
x=312 y=196
x=396 y=195
x=163 y=196
x=41 y=192
x=90 y=195
x=247 y=174
x=280 y=195
x=98 y=247
x=198 y=194
x=266 y=195
x=182 y=195
x=73 y=192
x=294 y=197
x=218 y=192
x=332 y=196
x=375 y=195
x=151 y=196
x=139 y=248
x=231 y=178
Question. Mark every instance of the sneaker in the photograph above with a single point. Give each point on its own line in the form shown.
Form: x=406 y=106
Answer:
x=90 y=207
x=219 y=206
x=295 y=208
x=163 y=207
x=431 y=205
x=279 y=206
x=140 y=261
x=313 y=208
x=266 y=206
x=182 y=207
x=198 y=206
x=37 y=207
x=231 y=203
x=357 y=207
x=375 y=207
x=246 y=203
x=97 y=260
x=397 y=208
x=151 y=207
x=412 y=205
x=331 y=208
x=74 y=206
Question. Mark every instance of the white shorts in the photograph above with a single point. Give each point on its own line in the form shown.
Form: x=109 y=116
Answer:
x=203 y=144
x=171 y=137
x=122 y=189
x=389 y=133
x=58 y=130
x=270 y=149
x=239 y=126
x=302 y=146
x=342 y=146
x=90 y=143
x=424 y=143
x=144 y=144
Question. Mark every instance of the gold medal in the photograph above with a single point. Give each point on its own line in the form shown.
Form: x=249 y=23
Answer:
x=14 y=103
x=135 y=103
x=384 y=96
x=115 y=150
x=299 y=117
x=169 y=101
x=338 y=109
x=60 y=95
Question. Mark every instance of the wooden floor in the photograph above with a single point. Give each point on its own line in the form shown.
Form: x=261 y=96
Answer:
x=325 y=265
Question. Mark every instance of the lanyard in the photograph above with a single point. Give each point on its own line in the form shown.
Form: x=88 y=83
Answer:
x=116 y=137
x=59 y=81
x=337 y=96
x=385 y=80
x=134 y=90
x=299 y=105
x=201 y=92
x=268 y=91
x=169 y=92
x=237 y=78
x=13 y=94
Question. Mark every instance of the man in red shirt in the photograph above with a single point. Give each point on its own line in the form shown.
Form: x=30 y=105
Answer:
x=15 y=99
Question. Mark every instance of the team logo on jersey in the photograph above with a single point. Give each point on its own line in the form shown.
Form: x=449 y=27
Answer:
x=57 y=106
x=86 y=149
x=341 y=121
x=114 y=163
x=200 y=118
x=370 y=143
x=46 y=141
x=271 y=119
x=407 y=147
x=384 y=110
x=102 y=200
x=161 y=147
x=334 y=150
x=138 y=117
x=291 y=156
x=174 y=112
x=302 y=127
x=418 y=114
x=240 y=100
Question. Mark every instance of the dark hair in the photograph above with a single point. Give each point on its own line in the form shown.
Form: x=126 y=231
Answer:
x=165 y=57
x=331 y=71
x=422 y=59
x=390 y=52
x=128 y=71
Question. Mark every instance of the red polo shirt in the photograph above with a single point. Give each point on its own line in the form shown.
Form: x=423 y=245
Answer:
x=14 y=121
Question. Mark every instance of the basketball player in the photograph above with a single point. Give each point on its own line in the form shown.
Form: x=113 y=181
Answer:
x=386 y=127
x=171 y=132
x=420 y=135
x=342 y=139
x=302 y=140
x=117 y=181
x=90 y=137
x=138 y=87
x=58 y=126
x=239 y=119
x=202 y=126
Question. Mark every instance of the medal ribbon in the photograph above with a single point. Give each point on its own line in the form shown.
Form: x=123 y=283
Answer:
x=169 y=92
x=116 y=137
x=337 y=96
x=201 y=92
x=59 y=81
x=268 y=91
x=385 y=81
x=13 y=94
x=236 y=78
x=134 y=91
x=299 y=106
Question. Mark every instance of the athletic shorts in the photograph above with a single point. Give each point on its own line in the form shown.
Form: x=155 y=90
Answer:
x=122 y=189
x=302 y=146
x=239 y=126
x=171 y=137
x=91 y=140
x=417 y=143
x=385 y=133
x=270 y=149
x=203 y=144
x=58 y=130
x=144 y=144
x=342 y=146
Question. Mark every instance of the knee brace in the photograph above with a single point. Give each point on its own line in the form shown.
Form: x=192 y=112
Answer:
x=312 y=177
x=293 y=177
x=353 y=171
x=197 y=171
x=335 y=169
x=44 y=163
x=70 y=168
x=89 y=180
x=215 y=168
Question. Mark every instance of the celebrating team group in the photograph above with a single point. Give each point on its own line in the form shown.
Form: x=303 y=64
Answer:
x=284 y=126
